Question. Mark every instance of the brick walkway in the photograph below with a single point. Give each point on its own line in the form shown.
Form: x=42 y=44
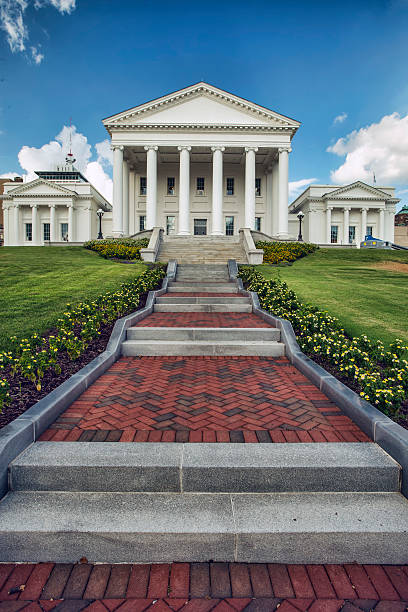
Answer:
x=201 y=587
x=203 y=399
x=202 y=319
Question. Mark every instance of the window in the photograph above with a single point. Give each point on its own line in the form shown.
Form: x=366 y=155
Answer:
x=200 y=227
x=229 y=226
x=257 y=186
x=29 y=231
x=334 y=234
x=352 y=234
x=64 y=232
x=171 y=224
x=142 y=223
x=369 y=230
x=46 y=231
x=230 y=186
x=200 y=185
x=143 y=185
x=171 y=182
x=257 y=224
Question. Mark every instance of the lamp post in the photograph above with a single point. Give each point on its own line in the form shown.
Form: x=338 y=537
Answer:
x=100 y=215
x=300 y=217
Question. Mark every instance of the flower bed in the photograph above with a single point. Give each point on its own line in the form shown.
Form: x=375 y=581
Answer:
x=79 y=328
x=378 y=373
x=121 y=248
x=278 y=252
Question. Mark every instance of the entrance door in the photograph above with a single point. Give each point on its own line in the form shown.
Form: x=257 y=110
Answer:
x=200 y=227
x=171 y=224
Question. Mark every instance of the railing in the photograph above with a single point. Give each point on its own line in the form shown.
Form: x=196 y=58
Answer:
x=150 y=252
x=254 y=255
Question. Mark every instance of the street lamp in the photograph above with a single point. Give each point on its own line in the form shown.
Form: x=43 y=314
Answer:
x=100 y=215
x=300 y=217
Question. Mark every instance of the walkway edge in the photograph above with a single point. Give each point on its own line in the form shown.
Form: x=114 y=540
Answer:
x=28 y=427
x=384 y=431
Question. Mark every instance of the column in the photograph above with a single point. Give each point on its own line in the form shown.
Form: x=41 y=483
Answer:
x=250 y=187
x=363 y=222
x=151 y=186
x=381 y=227
x=268 y=202
x=16 y=225
x=275 y=198
x=328 y=224
x=6 y=229
x=346 y=223
x=389 y=224
x=184 y=196
x=283 y=215
x=117 y=212
x=70 y=222
x=53 y=229
x=125 y=198
x=89 y=223
x=217 y=192
x=34 y=223
x=132 y=181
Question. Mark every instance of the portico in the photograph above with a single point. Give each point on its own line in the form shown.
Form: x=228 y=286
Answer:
x=200 y=161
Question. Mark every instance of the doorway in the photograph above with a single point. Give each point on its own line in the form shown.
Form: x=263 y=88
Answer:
x=200 y=227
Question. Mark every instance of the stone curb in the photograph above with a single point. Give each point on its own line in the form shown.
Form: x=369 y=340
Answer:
x=28 y=427
x=384 y=431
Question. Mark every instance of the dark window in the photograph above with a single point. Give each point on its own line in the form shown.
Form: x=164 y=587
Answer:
x=171 y=224
x=29 y=231
x=229 y=226
x=230 y=186
x=64 y=232
x=143 y=185
x=171 y=182
x=334 y=232
x=142 y=223
x=46 y=231
x=200 y=227
x=258 y=186
x=257 y=224
x=352 y=234
x=200 y=185
x=369 y=230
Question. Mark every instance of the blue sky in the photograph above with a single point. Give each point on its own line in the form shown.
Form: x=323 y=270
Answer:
x=313 y=61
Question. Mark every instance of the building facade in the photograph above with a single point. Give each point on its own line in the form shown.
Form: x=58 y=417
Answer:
x=344 y=215
x=58 y=207
x=200 y=161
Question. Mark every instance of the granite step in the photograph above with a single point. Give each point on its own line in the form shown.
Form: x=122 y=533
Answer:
x=181 y=307
x=185 y=348
x=203 y=333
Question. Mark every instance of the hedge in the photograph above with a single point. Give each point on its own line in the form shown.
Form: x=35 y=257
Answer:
x=120 y=248
x=278 y=252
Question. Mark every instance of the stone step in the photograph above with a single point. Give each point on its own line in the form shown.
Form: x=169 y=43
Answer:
x=247 y=348
x=203 y=333
x=114 y=527
x=204 y=467
x=199 y=288
x=202 y=307
x=202 y=300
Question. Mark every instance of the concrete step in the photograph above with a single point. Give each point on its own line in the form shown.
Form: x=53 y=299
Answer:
x=205 y=468
x=114 y=527
x=202 y=307
x=198 y=287
x=186 y=348
x=203 y=333
x=202 y=300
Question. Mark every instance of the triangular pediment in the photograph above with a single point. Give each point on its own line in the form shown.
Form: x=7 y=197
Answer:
x=357 y=190
x=200 y=104
x=41 y=187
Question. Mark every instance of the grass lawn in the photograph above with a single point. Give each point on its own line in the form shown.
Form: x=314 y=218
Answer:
x=37 y=282
x=366 y=289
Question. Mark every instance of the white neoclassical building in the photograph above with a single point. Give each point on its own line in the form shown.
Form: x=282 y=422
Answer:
x=344 y=215
x=58 y=207
x=200 y=161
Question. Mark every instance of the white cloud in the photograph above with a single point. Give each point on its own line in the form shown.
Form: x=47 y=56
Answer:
x=296 y=187
x=10 y=175
x=99 y=179
x=340 y=118
x=381 y=148
x=12 y=22
x=105 y=153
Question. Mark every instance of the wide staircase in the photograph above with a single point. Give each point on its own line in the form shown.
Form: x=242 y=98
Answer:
x=163 y=502
x=201 y=249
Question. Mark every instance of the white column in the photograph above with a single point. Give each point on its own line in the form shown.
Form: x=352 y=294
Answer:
x=283 y=215
x=34 y=223
x=184 y=188
x=217 y=228
x=346 y=223
x=363 y=222
x=268 y=201
x=389 y=225
x=117 y=212
x=250 y=187
x=53 y=229
x=89 y=223
x=16 y=240
x=132 y=181
x=328 y=224
x=6 y=226
x=381 y=227
x=125 y=206
x=70 y=222
x=151 y=186
x=275 y=198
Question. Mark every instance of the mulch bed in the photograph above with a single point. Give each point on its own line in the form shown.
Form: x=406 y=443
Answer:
x=24 y=393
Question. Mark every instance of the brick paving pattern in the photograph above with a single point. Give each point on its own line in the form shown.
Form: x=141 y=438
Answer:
x=202 y=319
x=203 y=399
x=203 y=587
x=200 y=294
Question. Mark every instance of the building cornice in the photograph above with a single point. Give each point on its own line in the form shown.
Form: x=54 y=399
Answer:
x=194 y=127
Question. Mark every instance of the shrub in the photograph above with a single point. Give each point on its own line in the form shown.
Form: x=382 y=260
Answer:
x=278 y=252
x=120 y=248
x=380 y=374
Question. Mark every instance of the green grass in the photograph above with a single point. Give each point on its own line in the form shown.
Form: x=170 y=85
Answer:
x=37 y=282
x=346 y=284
